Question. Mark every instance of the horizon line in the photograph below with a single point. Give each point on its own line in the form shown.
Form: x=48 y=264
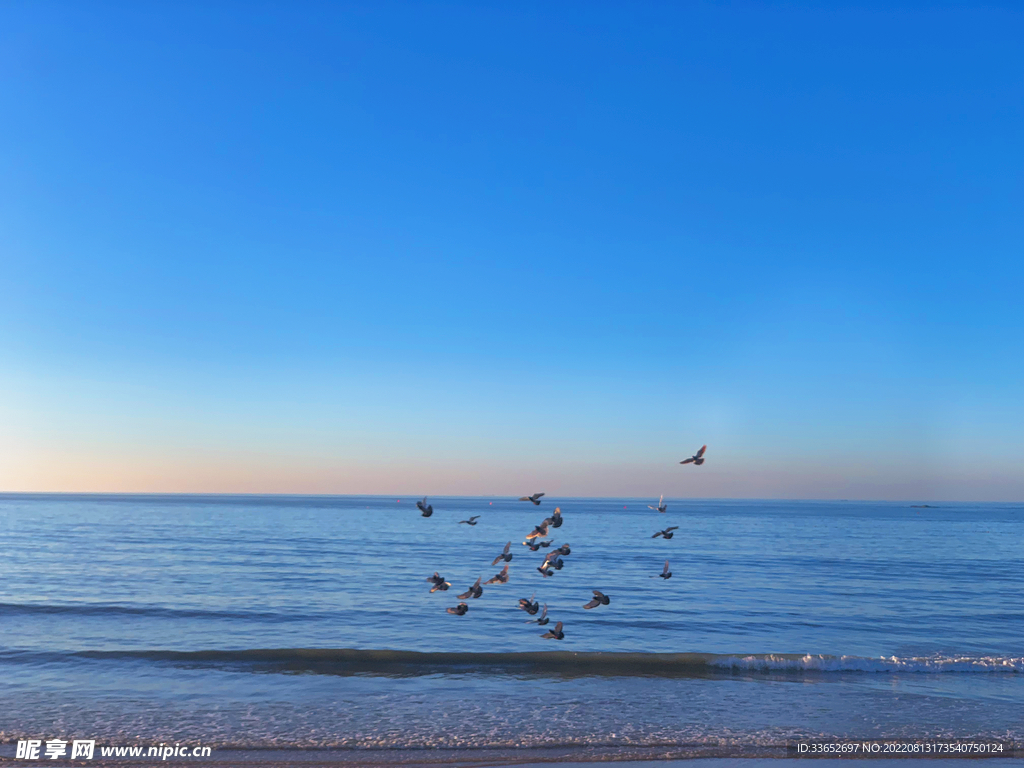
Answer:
x=487 y=496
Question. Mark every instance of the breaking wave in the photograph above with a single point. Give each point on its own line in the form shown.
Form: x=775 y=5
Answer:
x=344 y=661
x=822 y=663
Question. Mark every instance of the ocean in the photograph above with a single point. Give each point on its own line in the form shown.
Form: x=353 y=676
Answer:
x=302 y=628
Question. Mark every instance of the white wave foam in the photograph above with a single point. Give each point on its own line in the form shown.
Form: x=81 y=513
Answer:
x=821 y=663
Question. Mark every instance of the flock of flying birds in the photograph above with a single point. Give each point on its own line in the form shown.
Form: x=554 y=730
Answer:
x=536 y=540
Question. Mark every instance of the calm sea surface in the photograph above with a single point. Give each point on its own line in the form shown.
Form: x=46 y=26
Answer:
x=141 y=619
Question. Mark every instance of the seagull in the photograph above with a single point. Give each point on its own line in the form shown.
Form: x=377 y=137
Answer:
x=529 y=605
x=475 y=591
x=666 y=573
x=554 y=634
x=599 y=599
x=543 y=617
x=499 y=578
x=426 y=509
x=471 y=521
x=535 y=498
x=439 y=583
x=662 y=506
x=555 y=521
x=697 y=459
x=562 y=550
x=538 y=531
x=459 y=610
x=667 y=533
x=505 y=555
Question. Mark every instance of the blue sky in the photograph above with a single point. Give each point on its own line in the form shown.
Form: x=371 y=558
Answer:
x=505 y=247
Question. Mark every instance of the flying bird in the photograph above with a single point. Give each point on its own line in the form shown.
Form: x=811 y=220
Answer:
x=666 y=573
x=662 y=506
x=538 y=531
x=475 y=591
x=667 y=533
x=554 y=634
x=426 y=509
x=599 y=599
x=471 y=521
x=459 y=610
x=555 y=521
x=529 y=605
x=543 y=617
x=697 y=458
x=562 y=550
x=439 y=583
x=535 y=498
x=533 y=545
x=545 y=571
x=499 y=578
x=505 y=555
x=551 y=558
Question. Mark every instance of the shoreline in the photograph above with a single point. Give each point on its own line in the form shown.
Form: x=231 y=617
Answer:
x=693 y=756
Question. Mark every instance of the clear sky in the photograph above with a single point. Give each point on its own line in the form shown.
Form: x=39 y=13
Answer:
x=498 y=248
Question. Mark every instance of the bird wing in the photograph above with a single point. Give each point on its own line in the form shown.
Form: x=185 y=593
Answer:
x=558 y=627
x=659 y=533
x=661 y=499
x=525 y=498
x=672 y=528
x=666 y=567
x=701 y=451
x=475 y=517
x=545 y=611
x=687 y=461
x=592 y=604
x=507 y=548
x=504 y=571
x=497 y=559
x=537 y=495
x=650 y=507
x=598 y=594
x=477 y=582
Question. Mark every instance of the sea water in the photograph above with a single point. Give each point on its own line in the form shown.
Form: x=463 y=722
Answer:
x=256 y=622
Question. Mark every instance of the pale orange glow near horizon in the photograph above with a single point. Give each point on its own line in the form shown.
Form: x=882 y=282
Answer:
x=141 y=473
